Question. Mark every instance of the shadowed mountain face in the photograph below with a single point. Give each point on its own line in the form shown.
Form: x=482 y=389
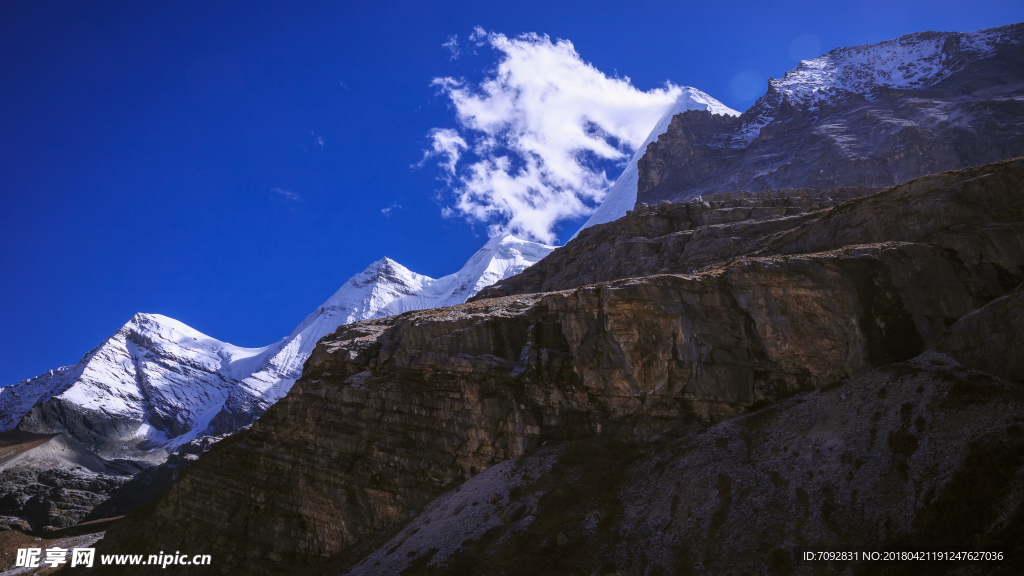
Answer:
x=873 y=115
x=782 y=391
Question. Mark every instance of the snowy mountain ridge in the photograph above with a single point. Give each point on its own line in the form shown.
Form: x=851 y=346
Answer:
x=157 y=383
x=913 y=61
x=622 y=194
x=384 y=288
x=872 y=115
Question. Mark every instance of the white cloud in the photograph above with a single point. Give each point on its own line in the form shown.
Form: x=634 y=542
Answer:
x=453 y=46
x=288 y=194
x=447 y=144
x=532 y=131
x=387 y=211
x=479 y=36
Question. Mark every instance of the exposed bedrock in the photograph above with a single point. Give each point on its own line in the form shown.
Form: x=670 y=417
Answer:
x=991 y=338
x=53 y=497
x=918 y=454
x=977 y=212
x=809 y=132
x=391 y=413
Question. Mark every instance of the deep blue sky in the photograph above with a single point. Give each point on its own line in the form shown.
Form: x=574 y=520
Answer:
x=141 y=142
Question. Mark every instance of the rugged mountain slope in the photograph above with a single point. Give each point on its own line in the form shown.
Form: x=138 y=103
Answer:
x=920 y=453
x=873 y=115
x=622 y=195
x=392 y=413
x=672 y=238
x=974 y=212
x=48 y=481
x=157 y=383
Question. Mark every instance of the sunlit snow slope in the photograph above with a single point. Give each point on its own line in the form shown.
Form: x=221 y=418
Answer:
x=385 y=288
x=157 y=383
x=622 y=195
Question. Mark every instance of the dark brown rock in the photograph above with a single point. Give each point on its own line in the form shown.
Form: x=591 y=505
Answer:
x=390 y=414
x=991 y=338
x=919 y=454
x=978 y=212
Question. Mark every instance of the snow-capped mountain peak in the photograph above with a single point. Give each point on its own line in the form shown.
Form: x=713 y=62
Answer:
x=384 y=288
x=157 y=383
x=153 y=380
x=622 y=194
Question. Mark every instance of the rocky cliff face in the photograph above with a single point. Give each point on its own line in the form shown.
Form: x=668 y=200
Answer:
x=972 y=212
x=390 y=414
x=672 y=238
x=922 y=453
x=52 y=498
x=873 y=115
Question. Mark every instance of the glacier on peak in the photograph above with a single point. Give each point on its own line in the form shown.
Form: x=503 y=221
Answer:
x=157 y=383
x=622 y=194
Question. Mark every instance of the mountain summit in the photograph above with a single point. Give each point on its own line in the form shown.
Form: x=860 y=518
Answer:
x=385 y=288
x=622 y=195
x=873 y=115
x=157 y=383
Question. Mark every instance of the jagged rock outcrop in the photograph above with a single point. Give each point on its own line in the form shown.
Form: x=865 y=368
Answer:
x=621 y=195
x=873 y=115
x=390 y=414
x=54 y=497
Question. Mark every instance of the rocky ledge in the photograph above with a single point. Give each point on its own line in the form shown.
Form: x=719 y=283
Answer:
x=816 y=326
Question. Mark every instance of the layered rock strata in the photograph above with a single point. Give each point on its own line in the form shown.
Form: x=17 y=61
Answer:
x=391 y=413
x=915 y=455
x=676 y=238
x=975 y=212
